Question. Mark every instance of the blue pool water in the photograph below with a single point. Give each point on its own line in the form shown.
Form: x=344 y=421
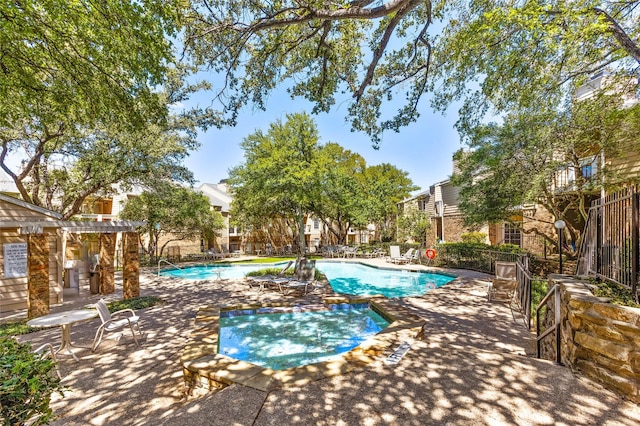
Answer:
x=210 y=272
x=363 y=280
x=344 y=277
x=298 y=336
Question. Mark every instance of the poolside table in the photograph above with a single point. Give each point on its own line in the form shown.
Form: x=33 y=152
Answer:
x=64 y=320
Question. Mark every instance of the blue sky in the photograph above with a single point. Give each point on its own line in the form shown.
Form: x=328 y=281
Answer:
x=423 y=149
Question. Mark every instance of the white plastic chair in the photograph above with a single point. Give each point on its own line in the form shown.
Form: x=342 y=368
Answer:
x=47 y=351
x=111 y=324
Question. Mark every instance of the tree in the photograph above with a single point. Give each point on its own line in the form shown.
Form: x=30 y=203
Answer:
x=530 y=55
x=342 y=197
x=413 y=224
x=386 y=186
x=86 y=89
x=374 y=51
x=174 y=213
x=525 y=160
x=278 y=178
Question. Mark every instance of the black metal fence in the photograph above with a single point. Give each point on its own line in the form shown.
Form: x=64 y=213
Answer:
x=465 y=257
x=610 y=248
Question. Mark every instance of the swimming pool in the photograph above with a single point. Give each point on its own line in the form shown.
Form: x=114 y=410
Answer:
x=210 y=272
x=344 y=277
x=281 y=338
x=363 y=280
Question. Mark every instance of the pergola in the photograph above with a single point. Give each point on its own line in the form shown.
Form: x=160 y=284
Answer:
x=38 y=255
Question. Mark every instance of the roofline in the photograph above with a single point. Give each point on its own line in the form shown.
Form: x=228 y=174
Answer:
x=30 y=206
x=74 y=226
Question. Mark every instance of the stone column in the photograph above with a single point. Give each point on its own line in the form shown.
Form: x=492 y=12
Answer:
x=37 y=275
x=131 y=271
x=107 y=254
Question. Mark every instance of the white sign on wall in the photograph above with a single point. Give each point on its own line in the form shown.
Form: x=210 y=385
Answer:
x=15 y=260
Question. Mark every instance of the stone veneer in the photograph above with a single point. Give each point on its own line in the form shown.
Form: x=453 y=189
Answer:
x=38 y=275
x=600 y=339
x=205 y=370
x=107 y=255
x=131 y=268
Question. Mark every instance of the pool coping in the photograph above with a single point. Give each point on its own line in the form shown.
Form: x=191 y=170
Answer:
x=205 y=370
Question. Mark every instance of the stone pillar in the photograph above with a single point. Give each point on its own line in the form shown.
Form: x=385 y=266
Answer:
x=107 y=254
x=131 y=271
x=37 y=275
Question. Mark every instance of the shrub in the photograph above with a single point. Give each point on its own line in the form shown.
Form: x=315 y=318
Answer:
x=474 y=237
x=135 y=303
x=27 y=384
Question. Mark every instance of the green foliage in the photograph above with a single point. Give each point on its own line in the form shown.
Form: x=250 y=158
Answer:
x=174 y=211
x=474 y=237
x=477 y=256
x=413 y=224
x=287 y=175
x=27 y=384
x=15 y=328
x=616 y=294
x=529 y=56
x=87 y=89
x=492 y=53
x=319 y=276
x=527 y=160
x=135 y=303
x=278 y=178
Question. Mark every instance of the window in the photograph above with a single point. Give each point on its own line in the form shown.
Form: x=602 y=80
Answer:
x=316 y=223
x=512 y=234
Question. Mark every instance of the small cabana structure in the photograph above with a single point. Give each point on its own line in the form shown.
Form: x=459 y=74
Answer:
x=37 y=249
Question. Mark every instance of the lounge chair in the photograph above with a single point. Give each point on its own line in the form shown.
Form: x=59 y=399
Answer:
x=394 y=253
x=263 y=281
x=130 y=319
x=214 y=254
x=304 y=280
x=405 y=258
x=503 y=286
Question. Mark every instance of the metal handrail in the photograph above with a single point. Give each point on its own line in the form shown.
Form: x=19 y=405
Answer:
x=168 y=263
x=556 y=326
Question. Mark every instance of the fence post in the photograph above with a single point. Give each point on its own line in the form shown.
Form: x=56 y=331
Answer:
x=599 y=248
x=635 y=246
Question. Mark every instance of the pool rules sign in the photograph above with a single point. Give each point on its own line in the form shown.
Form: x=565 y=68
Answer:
x=15 y=260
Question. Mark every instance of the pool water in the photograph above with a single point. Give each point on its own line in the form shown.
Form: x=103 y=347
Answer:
x=363 y=280
x=344 y=277
x=210 y=272
x=298 y=336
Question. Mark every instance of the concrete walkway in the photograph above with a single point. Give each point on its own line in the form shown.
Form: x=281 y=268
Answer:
x=471 y=369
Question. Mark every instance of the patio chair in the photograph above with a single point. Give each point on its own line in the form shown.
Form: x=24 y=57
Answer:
x=214 y=254
x=262 y=281
x=110 y=324
x=405 y=258
x=46 y=351
x=503 y=286
x=305 y=278
x=394 y=253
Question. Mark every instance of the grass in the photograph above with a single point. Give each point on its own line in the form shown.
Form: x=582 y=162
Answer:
x=16 y=328
x=319 y=276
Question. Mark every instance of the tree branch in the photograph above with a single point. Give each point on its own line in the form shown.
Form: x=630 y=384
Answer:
x=620 y=35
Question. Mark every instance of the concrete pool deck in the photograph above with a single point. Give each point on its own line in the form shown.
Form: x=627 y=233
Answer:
x=471 y=368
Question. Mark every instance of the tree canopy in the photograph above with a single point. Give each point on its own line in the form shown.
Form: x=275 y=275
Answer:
x=87 y=89
x=288 y=175
x=552 y=158
x=492 y=54
x=174 y=213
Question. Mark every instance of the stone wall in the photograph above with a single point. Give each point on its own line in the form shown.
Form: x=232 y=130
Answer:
x=38 y=275
x=598 y=338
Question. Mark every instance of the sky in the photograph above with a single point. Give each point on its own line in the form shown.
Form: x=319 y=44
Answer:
x=423 y=149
